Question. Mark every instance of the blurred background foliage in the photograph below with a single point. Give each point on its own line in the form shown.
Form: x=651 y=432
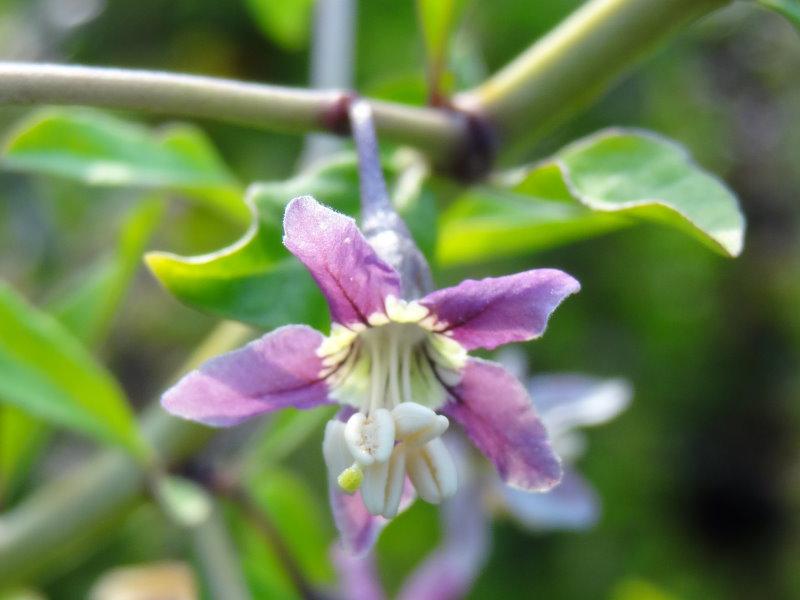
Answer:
x=700 y=478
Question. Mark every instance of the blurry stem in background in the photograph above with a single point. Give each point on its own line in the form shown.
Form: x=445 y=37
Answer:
x=332 y=60
x=567 y=68
x=218 y=559
x=571 y=64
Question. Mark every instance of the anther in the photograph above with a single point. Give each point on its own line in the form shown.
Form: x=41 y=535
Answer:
x=370 y=438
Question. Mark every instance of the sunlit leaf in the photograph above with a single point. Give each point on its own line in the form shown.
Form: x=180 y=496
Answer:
x=98 y=149
x=286 y=22
x=639 y=589
x=437 y=18
x=255 y=279
x=609 y=180
x=46 y=371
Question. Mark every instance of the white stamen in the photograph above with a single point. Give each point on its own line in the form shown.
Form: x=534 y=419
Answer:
x=378 y=385
x=432 y=471
x=394 y=374
x=334 y=449
x=383 y=482
x=370 y=438
x=416 y=424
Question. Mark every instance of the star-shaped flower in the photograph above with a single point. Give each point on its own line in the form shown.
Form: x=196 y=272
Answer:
x=399 y=366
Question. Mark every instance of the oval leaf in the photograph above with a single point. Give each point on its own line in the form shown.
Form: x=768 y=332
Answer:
x=98 y=149
x=604 y=182
x=45 y=371
x=647 y=176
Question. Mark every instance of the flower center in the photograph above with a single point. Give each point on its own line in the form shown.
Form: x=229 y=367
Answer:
x=396 y=373
x=394 y=362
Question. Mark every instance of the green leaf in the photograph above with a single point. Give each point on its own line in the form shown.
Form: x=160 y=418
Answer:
x=604 y=182
x=87 y=311
x=185 y=502
x=790 y=9
x=89 y=308
x=255 y=279
x=21 y=435
x=437 y=18
x=98 y=149
x=46 y=371
x=287 y=22
x=299 y=517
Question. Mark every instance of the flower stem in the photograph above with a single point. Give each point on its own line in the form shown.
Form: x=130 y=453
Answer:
x=374 y=196
x=380 y=223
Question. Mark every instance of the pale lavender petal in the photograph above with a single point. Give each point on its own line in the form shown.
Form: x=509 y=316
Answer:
x=572 y=504
x=358 y=575
x=498 y=310
x=357 y=528
x=566 y=401
x=346 y=268
x=449 y=571
x=498 y=416
x=280 y=369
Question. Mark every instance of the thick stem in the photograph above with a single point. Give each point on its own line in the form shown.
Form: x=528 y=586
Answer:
x=575 y=62
x=435 y=132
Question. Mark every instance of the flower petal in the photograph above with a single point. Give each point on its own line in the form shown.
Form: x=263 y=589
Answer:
x=572 y=504
x=497 y=414
x=498 y=310
x=448 y=572
x=280 y=369
x=566 y=401
x=357 y=527
x=346 y=268
x=358 y=575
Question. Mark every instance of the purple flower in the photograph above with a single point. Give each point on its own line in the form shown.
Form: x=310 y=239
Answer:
x=399 y=366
